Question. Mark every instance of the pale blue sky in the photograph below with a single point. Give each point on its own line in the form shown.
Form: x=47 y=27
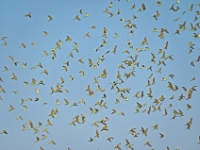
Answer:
x=20 y=29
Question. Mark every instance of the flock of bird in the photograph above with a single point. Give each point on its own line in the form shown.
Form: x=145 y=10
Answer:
x=113 y=79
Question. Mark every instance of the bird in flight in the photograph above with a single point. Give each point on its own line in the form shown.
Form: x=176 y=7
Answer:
x=28 y=15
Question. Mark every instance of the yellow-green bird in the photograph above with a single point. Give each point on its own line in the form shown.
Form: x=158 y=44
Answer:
x=66 y=101
x=116 y=35
x=44 y=137
x=52 y=142
x=37 y=139
x=97 y=134
x=50 y=18
x=148 y=144
x=159 y=3
x=11 y=108
x=49 y=123
x=46 y=33
x=41 y=148
x=82 y=101
x=14 y=77
x=45 y=71
x=188 y=106
x=74 y=104
x=36 y=130
x=87 y=34
x=23 y=45
x=28 y=15
x=3 y=38
x=24 y=127
x=111 y=5
x=33 y=44
x=110 y=139
x=118 y=146
x=91 y=140
x=4 y=132
x=46 y=130
x=86 y=15
x=39 y=124
x=77 y=18
x=155 y=127
x=20 y=117
x=105 y=127
x=69 y=39
x=161 y=135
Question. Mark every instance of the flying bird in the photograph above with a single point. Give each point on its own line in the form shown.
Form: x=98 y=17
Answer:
x=50 y=18
x=28 y=15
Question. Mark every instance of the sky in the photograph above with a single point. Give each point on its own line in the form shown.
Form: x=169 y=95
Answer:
x=24 y=41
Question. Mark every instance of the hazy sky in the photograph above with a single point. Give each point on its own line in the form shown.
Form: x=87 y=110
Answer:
x=158 y=57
